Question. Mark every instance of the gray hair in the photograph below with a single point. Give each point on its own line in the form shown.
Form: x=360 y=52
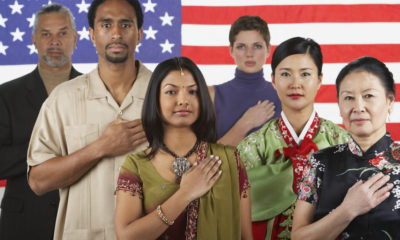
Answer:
x=56 y=8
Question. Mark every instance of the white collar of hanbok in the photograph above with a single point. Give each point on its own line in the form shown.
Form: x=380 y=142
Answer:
x=300 y=138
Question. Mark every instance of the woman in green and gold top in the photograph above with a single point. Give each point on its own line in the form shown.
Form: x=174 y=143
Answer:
x=276 y=154
x=184 y=186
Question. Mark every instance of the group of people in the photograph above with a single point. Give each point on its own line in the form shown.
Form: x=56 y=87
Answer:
x=124 y=153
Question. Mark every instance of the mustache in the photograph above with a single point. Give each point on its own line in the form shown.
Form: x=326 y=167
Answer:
x=55 y=49
x=119 y=43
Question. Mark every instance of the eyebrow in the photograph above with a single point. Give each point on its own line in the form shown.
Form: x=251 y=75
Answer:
x=60 y=29
x=366 y=90
x=120 y=20
x=173 y=85
x=287 y=69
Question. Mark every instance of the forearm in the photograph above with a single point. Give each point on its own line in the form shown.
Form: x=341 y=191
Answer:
x=12 y=160
x=235 y=134
x=245 y=216
x=151 y=226
x=336 y=222
x=60 y=172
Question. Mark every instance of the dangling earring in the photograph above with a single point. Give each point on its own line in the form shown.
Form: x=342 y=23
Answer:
x=388 y=116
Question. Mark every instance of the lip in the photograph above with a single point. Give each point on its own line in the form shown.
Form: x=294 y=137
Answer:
x=250 y=63
x=359 y=121
x=295 y=95
x=183 y=112
x=116 y=47
x=54 y=52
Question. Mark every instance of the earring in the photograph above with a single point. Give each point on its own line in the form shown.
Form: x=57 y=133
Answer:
x=388 y=116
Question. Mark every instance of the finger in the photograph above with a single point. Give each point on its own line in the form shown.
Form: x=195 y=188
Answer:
x=136 y=132
x=133 y=123
x=379 y=183
x=205 y=161
x=216 y=176
x=373 y=179
x=214 y=169
x=383 y=190
x=358 y=183
x=379 y=199
x=139 y=141
x=211 y=164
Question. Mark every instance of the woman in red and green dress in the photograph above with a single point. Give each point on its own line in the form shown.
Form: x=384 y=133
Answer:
x=276 y=154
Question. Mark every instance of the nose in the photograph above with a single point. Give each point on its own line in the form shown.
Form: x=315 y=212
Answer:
x=116 y=32
x=296 y=81
x=249 y=52
x=183 y=98
x=359 y=105
x=55 y=41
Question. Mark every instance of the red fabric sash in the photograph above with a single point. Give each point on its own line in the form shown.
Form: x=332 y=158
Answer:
x=298 y=154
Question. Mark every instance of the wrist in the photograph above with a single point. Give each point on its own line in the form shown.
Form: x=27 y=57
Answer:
x=346 y=213
x=184 y=196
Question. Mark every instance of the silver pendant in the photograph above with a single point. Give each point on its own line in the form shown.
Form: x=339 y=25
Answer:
x=180 y=166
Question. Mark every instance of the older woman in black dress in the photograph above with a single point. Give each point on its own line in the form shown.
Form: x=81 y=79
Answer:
x=352 y=191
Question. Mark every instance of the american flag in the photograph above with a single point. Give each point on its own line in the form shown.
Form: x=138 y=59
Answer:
x=198 y=29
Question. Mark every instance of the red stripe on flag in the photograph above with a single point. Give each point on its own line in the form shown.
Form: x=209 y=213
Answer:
x=327 y=93
x=332 y=53
x=293 y=13
x=3 y=183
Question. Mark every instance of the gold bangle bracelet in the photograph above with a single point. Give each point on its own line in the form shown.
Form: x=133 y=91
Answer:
x=163 y=217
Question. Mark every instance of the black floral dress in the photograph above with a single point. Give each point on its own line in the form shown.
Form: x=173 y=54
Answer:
x=333 y=170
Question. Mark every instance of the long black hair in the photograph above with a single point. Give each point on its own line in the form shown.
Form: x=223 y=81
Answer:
x=203 y=127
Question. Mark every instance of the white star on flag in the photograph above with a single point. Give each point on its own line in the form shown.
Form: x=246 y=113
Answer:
x=166 y=19
x=3 y=21
x=149 y=6
x=84 y=34
x=167 y=46
x=150 y=33
x=32 y=49
x=17 y=35
x=137 y=47
x=31 y=20
x=83 y=6
x=16 y=8
x=3 y=49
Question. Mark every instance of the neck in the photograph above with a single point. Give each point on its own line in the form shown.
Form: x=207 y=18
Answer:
x=298 y=118
x=179 y=140
x=365 y=142
x=118 y=77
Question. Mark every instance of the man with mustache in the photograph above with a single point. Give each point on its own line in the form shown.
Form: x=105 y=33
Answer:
x=88 y=125
x=24 y=215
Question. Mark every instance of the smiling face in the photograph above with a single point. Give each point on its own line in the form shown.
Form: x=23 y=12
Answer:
x=249 y=51
x=364 y=105
x=296 y=81
x=179 y=100
x=115 y=32
x=55 y=40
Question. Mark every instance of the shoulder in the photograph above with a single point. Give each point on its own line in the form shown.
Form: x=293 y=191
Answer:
x=143 y=71
x=333 y=131
x=134 y=160
x=220 y=147
x=330 y=152
x=65 y=90
x=16 y=84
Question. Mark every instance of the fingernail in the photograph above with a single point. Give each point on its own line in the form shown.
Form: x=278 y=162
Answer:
x=220 y=172
x=211 y=156
x=195 y=164
x=219 y=161
x=216 y=157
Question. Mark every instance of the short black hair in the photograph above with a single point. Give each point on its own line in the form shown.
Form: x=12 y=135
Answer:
x=370 y=65
x=134 y=3
x=248 y=23
x=297 y=45
x=152 y=120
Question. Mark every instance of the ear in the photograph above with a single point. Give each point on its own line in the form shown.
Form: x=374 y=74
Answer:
x=91 y=32
x=231 y=50
x=140 y=35
x=34 y=41
x=320 y=80
x=391 y=99
x=273 y=80
x=268 y=50
x=75 y=38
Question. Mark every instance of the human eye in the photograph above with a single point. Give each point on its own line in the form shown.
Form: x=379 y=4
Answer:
x=258 y=46
x=63 y=33
x=285 y=74
x=170 y=92
x=105 y=25
x=193 y=91
x=240 y=47
x=348 y=98
x=305 y=74
x=125 y=25
x=368 y=95
x=45 y=34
